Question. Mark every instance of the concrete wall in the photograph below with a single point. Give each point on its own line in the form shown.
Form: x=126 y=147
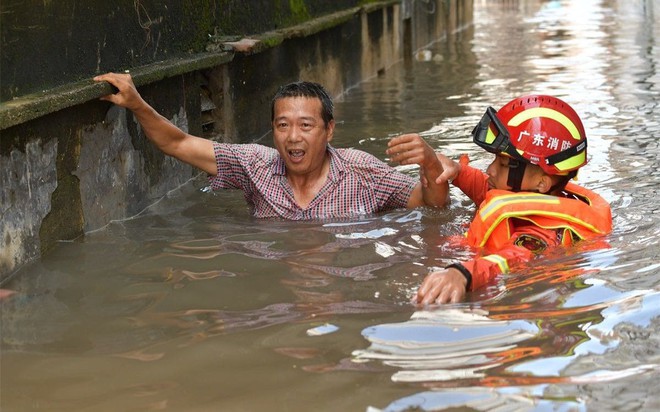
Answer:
x=51 y=43
x=70 y=163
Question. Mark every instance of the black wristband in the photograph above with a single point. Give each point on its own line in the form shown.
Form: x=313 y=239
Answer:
x=464 y=272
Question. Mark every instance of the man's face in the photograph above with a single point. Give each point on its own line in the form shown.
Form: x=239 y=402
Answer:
x=299 y=134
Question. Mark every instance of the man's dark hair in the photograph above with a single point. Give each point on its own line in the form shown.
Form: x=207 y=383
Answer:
x=305 y=89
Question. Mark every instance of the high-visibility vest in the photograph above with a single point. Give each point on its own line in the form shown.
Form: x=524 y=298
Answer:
x=576 y=219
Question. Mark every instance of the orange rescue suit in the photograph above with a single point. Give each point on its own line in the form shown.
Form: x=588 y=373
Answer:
x=511 y=227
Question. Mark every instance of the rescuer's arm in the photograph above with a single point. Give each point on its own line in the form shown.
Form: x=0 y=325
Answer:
x=451 y=284
x=171 y=140
x=473 y=182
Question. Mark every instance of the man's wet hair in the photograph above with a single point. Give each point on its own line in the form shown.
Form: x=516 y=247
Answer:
x=306 y=89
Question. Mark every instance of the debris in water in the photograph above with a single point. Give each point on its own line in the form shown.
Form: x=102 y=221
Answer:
x=322 y=330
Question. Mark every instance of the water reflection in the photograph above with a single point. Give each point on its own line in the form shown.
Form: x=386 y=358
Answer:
x=494 y=344
x=592 y=306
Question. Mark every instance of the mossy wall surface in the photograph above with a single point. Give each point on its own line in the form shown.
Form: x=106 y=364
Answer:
x=46 y=44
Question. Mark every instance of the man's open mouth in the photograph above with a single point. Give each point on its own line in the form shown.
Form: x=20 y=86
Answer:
x=296 y=154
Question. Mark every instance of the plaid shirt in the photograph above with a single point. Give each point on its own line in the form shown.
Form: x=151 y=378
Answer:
x=358 y=183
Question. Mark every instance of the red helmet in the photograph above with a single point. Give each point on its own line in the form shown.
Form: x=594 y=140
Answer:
x=541 y=130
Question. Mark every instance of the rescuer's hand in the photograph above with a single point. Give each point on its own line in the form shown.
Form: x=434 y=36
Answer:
x=442 y=286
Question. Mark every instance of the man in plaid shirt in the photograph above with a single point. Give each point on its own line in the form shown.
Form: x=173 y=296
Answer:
x=303 y=177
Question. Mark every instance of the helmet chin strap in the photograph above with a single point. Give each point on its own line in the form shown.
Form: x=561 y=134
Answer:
x=516 y=173
x=562 y=182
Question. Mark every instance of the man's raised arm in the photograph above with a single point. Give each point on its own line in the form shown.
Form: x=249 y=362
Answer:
x=171 y=140
x=412 y=149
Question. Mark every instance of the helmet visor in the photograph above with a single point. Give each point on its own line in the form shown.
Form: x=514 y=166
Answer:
x=494 y=141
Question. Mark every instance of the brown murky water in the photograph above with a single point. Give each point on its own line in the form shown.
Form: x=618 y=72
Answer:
x=196 y=306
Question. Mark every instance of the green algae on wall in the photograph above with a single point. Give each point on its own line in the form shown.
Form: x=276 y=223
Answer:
x=201 y=15
x=77 y=40
x=299 y=12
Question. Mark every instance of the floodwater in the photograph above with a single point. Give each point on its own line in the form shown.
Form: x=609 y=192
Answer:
x=196 y=306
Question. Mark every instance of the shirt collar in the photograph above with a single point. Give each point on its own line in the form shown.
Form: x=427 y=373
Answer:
x=278 y=166
x=337 y=166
